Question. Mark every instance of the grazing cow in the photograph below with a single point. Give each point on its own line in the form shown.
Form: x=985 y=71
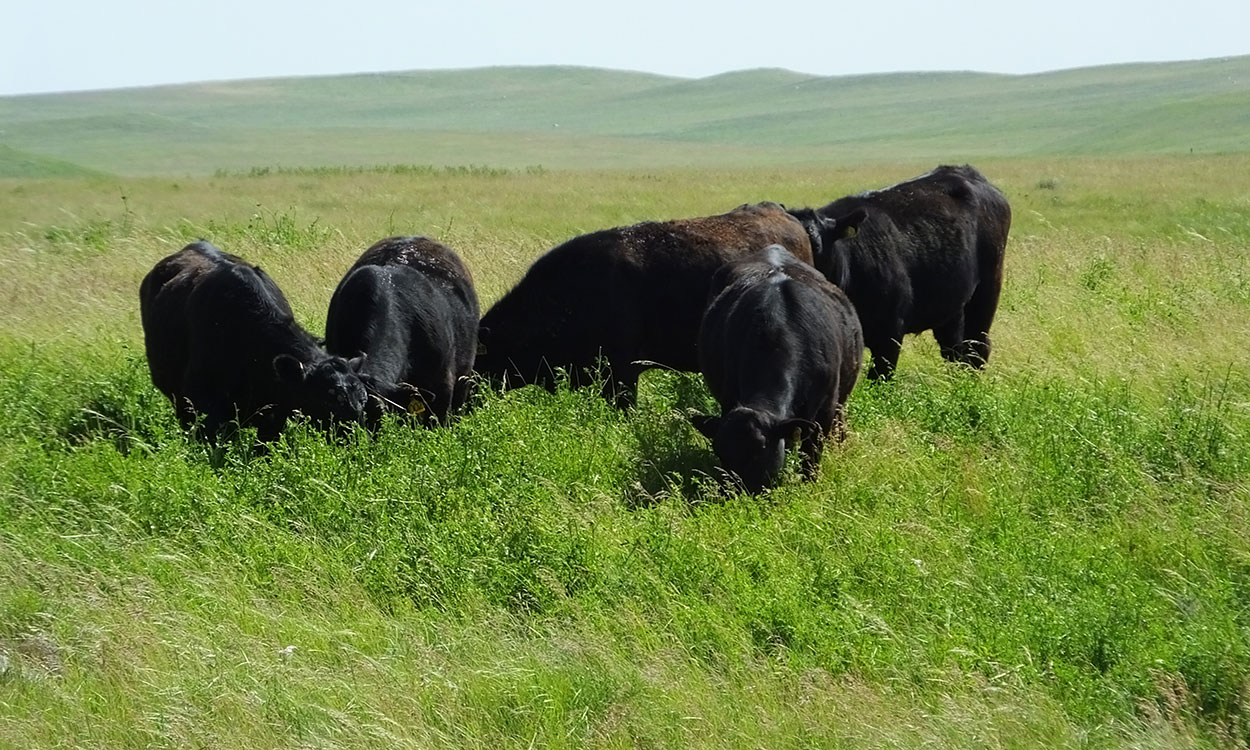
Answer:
x=923 y=254
x=222 y=343
x=632 y=295
x=780 y=348
x=409 y=306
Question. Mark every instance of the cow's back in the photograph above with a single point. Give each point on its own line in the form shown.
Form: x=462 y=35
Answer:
x=679 y=258
x=744 y=230
x=409 y=304
x=165 y=309
x=633 y=294
x=925 y=245
x=428 y=257
x=774 y=323
x=238 y=317
x=949 y=203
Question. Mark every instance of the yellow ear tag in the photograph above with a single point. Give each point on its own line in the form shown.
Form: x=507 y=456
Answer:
x=796 y=437
x=481 y=348
x=850 y=232
x=415 y=407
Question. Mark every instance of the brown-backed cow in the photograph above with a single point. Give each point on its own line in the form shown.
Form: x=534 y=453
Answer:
x=632 y=296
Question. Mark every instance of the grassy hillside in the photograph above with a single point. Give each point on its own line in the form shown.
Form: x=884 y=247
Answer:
x=14 y=163
x=1051 y=553
x=587 y=118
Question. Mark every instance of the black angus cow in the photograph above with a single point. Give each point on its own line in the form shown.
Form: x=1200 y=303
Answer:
x=632 y=296
x=780 y=348
x=223 y=344
x=409 y=306
x=923 y=254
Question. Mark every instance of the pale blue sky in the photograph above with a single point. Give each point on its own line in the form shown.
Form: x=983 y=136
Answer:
x=57 y=45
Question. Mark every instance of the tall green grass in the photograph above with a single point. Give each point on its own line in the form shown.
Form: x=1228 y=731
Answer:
x=1051 y=552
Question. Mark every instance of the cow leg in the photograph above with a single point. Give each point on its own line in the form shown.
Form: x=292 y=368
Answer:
x=620 y=381
x=202 y=411
x=268 y=429
x=978 y=315
x=444 y=396
x=211 y=427
x=885 y=353
x=950 y=338
x=811 y=450
x=621 y=391
x=813 y=446
x=837 y=428
x=184 y=411
x=460 y=392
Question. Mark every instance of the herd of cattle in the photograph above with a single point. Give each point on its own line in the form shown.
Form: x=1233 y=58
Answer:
x=773 y=306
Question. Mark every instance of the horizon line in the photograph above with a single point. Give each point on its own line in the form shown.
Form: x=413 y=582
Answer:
x=737 y=71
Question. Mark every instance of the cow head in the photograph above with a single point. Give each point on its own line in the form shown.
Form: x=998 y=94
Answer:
x=752 y=443
x=811 y=224
x=827 y=236
x=328 y=391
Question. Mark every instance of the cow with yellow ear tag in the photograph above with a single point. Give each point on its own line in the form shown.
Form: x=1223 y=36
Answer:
x=408 y=304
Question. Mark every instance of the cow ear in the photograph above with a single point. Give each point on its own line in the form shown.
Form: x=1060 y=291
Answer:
x=288 y=369
x=357 y=362
x=846 y=227
x=416 y=405
x=402 y=398
x=408 y=398
x=706 y=424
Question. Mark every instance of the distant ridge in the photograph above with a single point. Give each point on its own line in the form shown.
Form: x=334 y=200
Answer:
x=574 y=117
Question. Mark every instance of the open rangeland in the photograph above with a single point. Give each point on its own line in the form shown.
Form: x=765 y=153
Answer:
x=1054 y=551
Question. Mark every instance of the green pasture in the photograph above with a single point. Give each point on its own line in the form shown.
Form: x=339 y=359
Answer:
x=579 y=118
x=1051 y=553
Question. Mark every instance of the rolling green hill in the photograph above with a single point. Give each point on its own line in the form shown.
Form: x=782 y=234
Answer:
x=563 y=117
x=14 y=163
